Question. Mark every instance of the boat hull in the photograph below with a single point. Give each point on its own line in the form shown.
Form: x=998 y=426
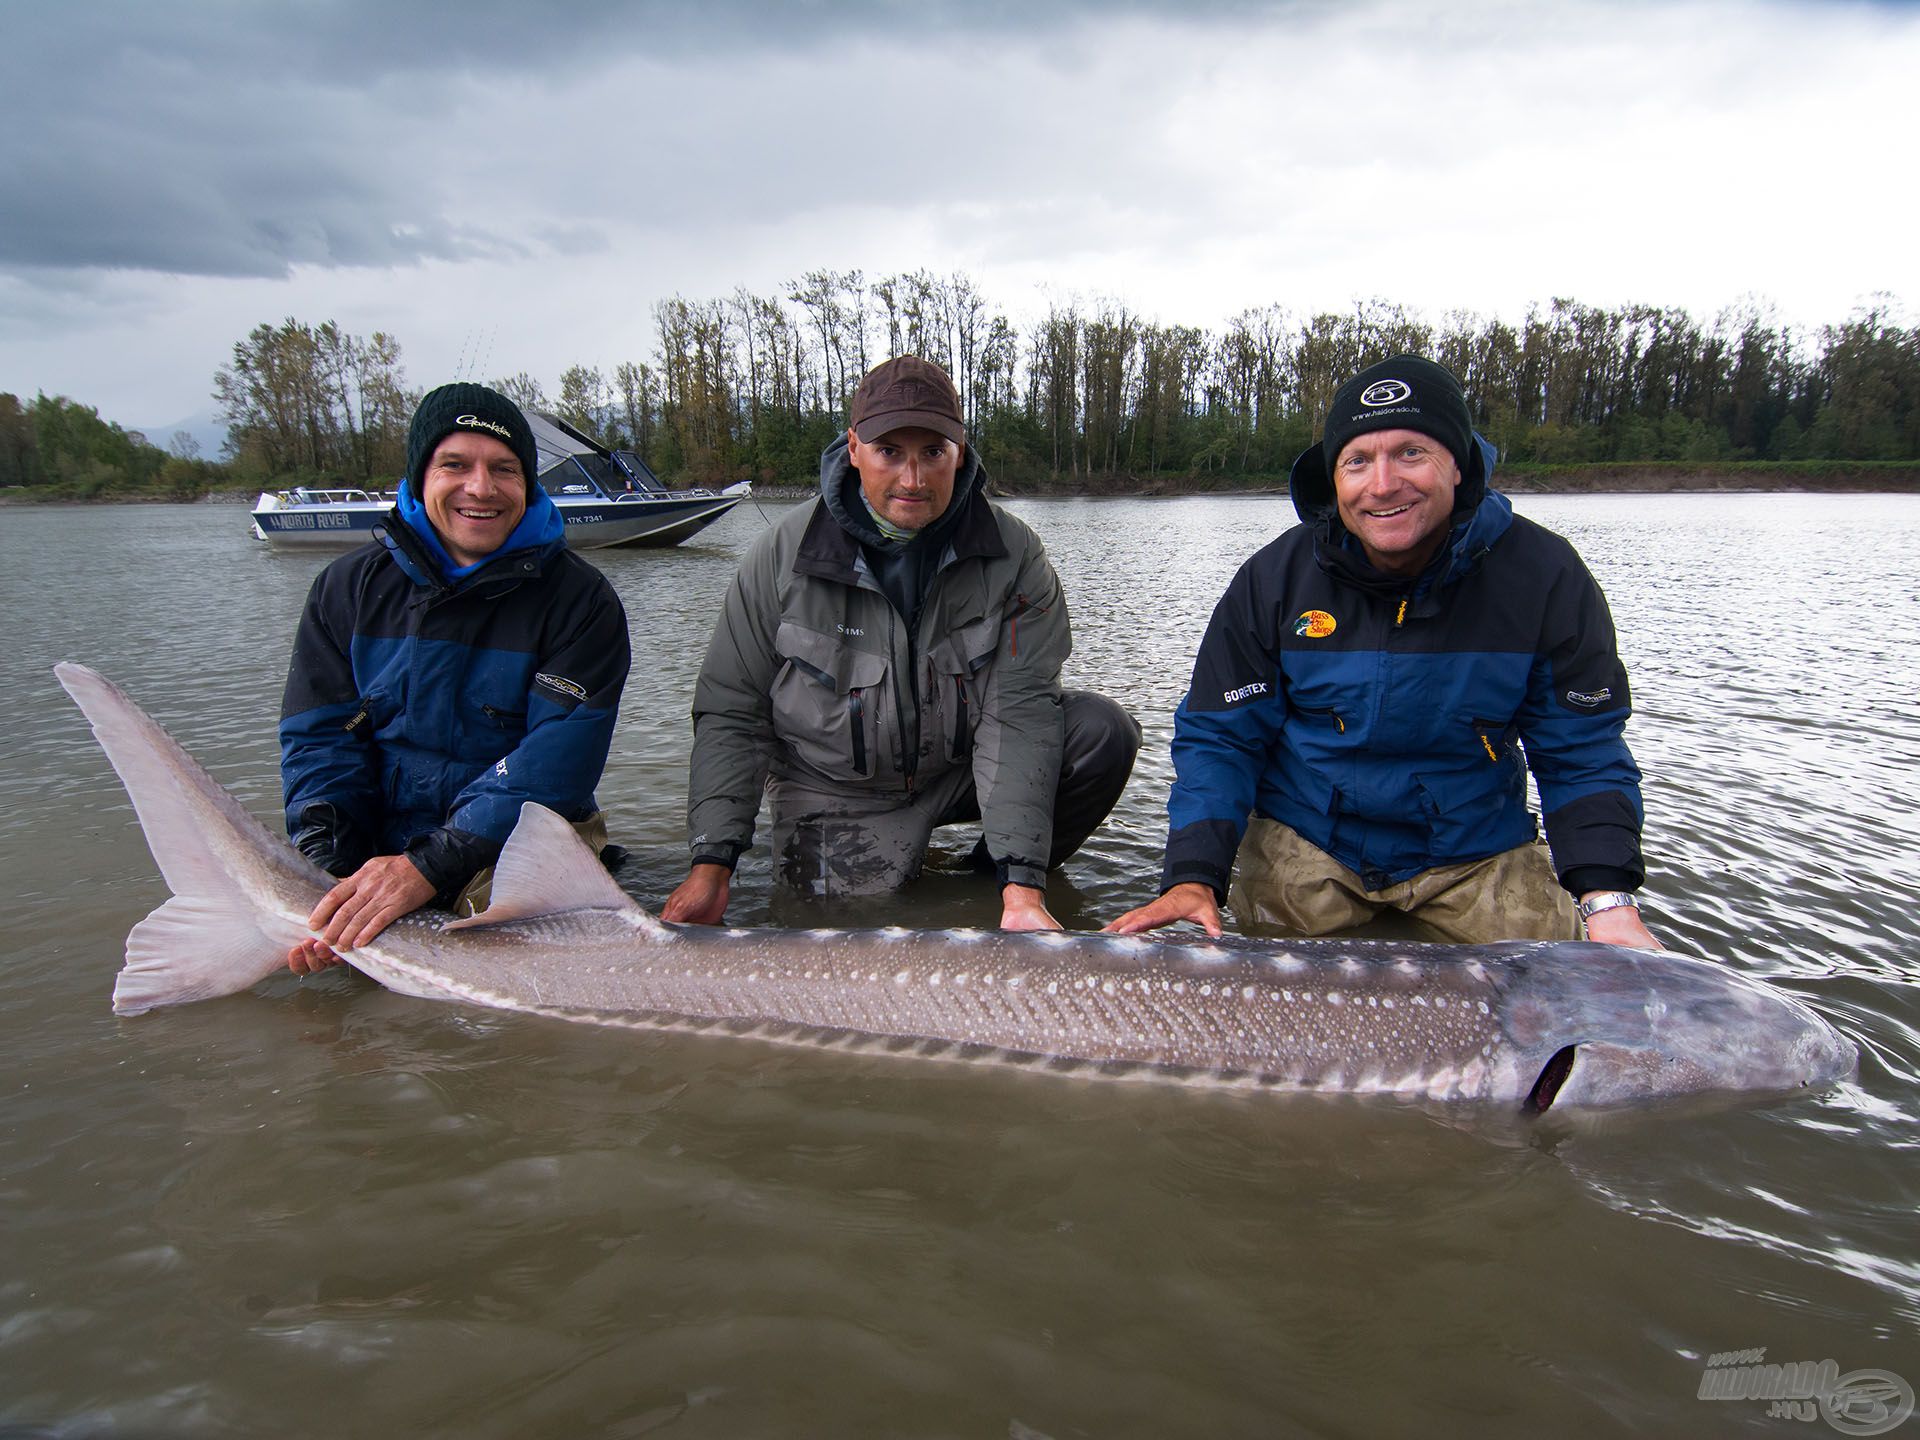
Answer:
x=593 y=523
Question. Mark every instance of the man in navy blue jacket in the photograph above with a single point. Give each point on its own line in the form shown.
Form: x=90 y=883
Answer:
x=462 y=664
x=1374 y=687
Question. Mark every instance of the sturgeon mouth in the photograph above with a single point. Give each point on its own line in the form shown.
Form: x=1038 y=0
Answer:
x=1552 y=1076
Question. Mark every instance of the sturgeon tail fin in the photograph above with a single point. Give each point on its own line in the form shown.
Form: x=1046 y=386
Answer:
x=238 y=891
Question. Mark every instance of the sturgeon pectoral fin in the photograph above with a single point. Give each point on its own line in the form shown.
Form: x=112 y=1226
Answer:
x=545 y=868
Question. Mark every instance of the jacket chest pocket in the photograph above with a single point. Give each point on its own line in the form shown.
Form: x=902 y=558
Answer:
x=830 y=703
x=956 y=683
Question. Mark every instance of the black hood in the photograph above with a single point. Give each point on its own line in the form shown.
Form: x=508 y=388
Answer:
x=1312 y=487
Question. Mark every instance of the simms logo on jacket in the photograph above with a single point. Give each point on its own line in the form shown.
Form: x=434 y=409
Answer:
x=1587 y=699
x=1314 y=624
x=1259 y=687
x=561 y=685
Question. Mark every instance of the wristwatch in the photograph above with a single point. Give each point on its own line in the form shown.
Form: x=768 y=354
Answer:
x=1606 y=900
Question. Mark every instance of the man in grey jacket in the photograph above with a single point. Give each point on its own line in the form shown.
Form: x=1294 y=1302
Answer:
x=888 y=661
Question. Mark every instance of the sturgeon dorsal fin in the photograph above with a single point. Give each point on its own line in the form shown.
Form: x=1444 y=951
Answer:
x=546 y=868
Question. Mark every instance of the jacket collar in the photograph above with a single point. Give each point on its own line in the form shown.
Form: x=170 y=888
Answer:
x=507 y=567
x=1473 y=535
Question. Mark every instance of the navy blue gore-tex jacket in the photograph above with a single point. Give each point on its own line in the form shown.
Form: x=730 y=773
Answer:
x=1392 y=721
x=422 y=712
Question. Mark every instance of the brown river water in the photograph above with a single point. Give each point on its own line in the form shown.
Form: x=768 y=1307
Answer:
x=320 y=1209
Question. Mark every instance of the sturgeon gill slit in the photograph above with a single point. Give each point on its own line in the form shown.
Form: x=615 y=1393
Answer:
x=1553 y=1075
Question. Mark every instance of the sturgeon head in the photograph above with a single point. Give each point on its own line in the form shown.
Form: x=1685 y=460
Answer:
x=1600 y=1025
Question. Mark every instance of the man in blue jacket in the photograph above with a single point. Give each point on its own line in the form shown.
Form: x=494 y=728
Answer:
x=462 y=664
x=1374 y=687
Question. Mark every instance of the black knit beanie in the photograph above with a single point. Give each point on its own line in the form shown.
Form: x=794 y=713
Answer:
x=465 y=406
x=1401 y=393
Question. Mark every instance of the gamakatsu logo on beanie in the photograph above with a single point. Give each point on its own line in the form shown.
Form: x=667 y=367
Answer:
x=1385 y=392
x=476 y=423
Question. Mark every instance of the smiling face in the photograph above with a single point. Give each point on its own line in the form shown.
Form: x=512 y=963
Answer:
x=475 y=492
x=1394 y=490
x=906 y=475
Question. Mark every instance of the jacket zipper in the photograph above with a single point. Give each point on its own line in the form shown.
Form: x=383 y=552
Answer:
x=857 y=713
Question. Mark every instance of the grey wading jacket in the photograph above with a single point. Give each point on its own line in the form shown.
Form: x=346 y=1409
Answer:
x=810 y=675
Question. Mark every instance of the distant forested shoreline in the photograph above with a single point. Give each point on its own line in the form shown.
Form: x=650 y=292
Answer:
x=1090 y=398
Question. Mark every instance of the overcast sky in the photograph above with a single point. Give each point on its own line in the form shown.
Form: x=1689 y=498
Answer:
x=503 y=192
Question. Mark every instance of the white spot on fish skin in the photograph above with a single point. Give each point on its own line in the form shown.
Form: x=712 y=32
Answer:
x=1126 y=985
x=1106 y=987
x=1206 y=989
x=1483 y=1008
x=934 y=979
x=1287 y=995
x=1405 y=966
x=960 y=978
x=1246 y=993
x=1334 y=997
x=902 y=976
x=1439 y=1002
x=1371 y=1002
x=1386 y=1002
x=1179 y=987
x=1421 y=1001
x=1350 y=965
x=1053 y=987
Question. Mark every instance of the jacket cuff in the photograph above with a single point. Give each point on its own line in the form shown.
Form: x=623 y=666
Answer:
x=449 y=859
x=1190 y=873
x=330 y=840
x=1020 y=872
x=723 y=854
x=1583 y=879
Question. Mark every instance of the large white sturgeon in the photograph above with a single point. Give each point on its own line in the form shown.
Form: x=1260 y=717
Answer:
x=1531 y=1024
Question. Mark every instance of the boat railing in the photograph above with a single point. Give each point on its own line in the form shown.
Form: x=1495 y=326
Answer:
x=307 y=495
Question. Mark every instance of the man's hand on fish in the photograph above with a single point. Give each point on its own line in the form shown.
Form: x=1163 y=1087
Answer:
x=1189 y=901
x=1622 y=925
x=701 y=898
x=359 y=908
x=1024 y=908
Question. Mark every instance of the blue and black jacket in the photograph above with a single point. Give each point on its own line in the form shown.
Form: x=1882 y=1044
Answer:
x=425 y=703
x=1392 y=721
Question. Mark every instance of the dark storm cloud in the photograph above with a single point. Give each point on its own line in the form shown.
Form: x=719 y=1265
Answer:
x=240 y=139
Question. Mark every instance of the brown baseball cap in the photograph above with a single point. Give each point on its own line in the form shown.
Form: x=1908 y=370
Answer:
x=906 y=393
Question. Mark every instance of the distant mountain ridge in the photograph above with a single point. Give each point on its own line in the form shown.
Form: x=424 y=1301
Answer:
x=206 y=427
